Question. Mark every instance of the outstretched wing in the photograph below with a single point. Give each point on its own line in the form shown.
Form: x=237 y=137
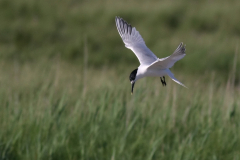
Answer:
x=134 y=41
x=169 y=61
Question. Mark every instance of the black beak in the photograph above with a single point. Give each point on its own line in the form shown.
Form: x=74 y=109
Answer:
x=132 y=87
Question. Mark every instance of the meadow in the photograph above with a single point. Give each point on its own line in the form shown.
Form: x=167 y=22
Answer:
x=65 y=92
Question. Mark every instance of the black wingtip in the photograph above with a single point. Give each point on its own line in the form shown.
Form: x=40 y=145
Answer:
x=123 y=23
x=116 y=18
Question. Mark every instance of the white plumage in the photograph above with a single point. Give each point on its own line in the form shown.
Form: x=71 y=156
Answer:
x=150 y=65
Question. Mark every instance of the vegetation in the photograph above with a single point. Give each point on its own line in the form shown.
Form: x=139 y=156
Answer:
x=65 y=92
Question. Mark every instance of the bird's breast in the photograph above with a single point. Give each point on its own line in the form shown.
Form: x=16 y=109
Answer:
x=145 y=72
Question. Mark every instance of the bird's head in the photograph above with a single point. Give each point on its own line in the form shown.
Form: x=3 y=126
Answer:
x=132 y=78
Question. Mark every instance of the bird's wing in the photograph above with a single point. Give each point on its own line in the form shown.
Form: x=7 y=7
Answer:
x=134 y=41
x=169 y=61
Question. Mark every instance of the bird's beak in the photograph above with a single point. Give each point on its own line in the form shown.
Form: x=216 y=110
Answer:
x=132 y=86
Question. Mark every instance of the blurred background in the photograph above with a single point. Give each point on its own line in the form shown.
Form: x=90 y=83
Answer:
x=65 y=92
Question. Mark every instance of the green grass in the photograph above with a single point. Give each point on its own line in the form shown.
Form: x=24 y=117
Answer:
x=31 y=30
x=57 y=104
x=45 y=115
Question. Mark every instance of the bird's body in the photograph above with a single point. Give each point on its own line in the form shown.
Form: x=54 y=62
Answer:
x=144 y=71
x=150 y=65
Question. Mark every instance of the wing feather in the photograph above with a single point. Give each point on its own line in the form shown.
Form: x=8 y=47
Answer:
x=169 y=61
x=134 y=41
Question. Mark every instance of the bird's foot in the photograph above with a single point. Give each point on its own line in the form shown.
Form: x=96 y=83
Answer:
x=163 y=81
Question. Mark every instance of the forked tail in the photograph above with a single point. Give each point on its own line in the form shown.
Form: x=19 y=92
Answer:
x=170 y=74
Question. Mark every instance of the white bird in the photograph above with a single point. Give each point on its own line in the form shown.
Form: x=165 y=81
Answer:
x=150 y=65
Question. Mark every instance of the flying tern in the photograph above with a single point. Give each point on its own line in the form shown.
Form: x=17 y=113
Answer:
x=150 y=65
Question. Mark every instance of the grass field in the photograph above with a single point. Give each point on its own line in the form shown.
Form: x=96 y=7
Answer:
x=65 y=92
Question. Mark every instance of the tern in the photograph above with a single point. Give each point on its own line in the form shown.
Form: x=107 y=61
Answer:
x=150 y=65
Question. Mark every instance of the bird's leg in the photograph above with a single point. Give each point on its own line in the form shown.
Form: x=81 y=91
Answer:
x=163 y=81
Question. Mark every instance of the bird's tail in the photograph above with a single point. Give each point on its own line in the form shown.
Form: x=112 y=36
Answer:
x=170 y=74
